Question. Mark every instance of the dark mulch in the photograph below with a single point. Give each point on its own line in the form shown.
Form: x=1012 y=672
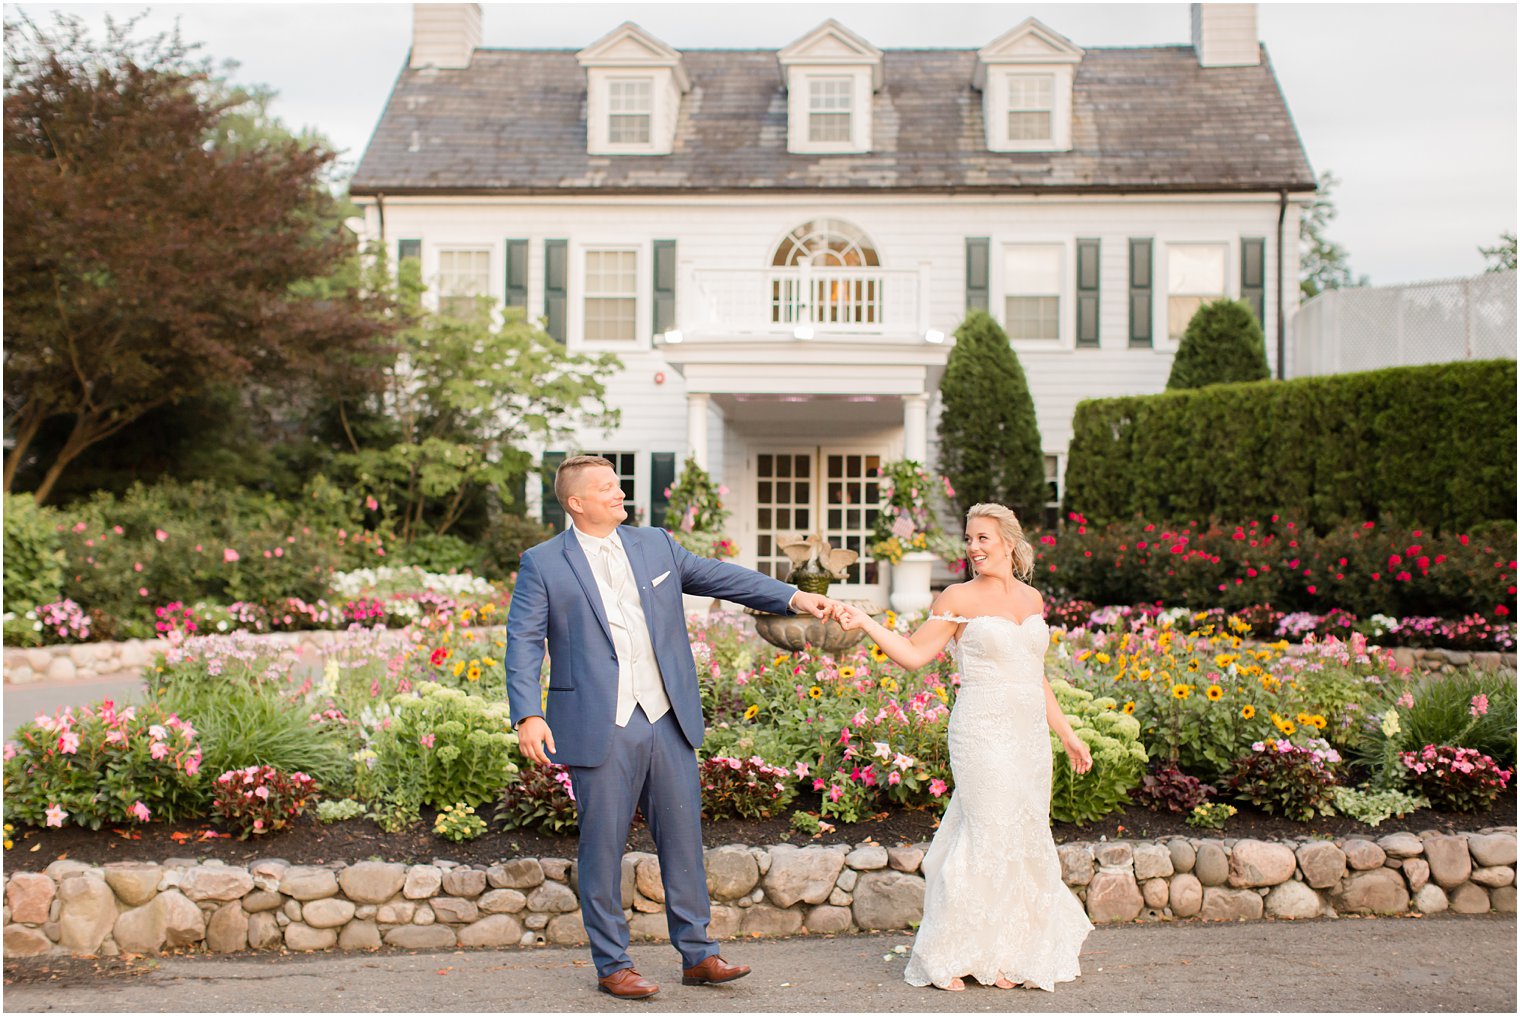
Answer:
x=310 y=842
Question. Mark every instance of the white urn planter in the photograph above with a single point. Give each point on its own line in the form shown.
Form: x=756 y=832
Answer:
x=910 y=582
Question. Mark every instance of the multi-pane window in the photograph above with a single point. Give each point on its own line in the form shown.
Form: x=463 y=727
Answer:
x=1052 y=491
x=1032 y=291
x=1194 y=276
x=625 y=464
x=630 y=106
x=829 y=102
x=1031 y=106
x=611 y=296
x=463 y=275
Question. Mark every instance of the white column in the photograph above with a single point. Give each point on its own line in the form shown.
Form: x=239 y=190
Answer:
x=915 y=427
x=696 y=427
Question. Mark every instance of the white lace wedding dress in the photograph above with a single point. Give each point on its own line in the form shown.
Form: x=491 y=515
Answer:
x=994 y=904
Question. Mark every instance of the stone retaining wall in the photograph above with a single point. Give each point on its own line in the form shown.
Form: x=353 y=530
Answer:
x=780 y=890
x=122 y=660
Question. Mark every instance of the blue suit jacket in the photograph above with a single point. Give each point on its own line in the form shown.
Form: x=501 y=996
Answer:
x=556 y=601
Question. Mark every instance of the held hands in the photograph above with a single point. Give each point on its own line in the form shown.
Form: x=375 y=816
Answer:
x=820 y=607
x=849 y=616
x=1077 y=753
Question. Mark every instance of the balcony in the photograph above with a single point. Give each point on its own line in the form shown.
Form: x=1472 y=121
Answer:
x=803 y=302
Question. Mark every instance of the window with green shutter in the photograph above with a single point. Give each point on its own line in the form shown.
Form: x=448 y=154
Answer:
x=977 y=254
x=1253 y=275
x=517 y=274
x=662 y=473
x=1087 y=292
x=408 y=249
x=556 y=286
x=553 y=511
x=664 y=286
x=1141 y=272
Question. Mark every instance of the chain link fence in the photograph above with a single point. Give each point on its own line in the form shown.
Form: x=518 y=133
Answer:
x=1368 y=328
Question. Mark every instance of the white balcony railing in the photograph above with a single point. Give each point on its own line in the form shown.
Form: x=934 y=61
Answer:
x=830 y=301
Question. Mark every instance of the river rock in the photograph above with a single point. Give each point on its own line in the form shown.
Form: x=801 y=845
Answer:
x=568 y=929
x=30 y=896
x=1374 y=891
x=1186 y=895
x=887 y=899
x=307 y=882
x=502 y=901
x=649 y=927
x=423 y=881
x=1363 y=855
x=1450 y=862
x=806 y=875
x=726 y=922
x=905 y=858
x=301 y=937
x=1077 y=863
x=731 y=872
x=452 y=910
x=1469 y=899
x=466 y=883
x=399 y=912
x=267 y=873
x=359 y=935
x=1502 y=899
x=1293 y=901
x=140 y=930
x=646 y=878
x=373 y=881
x=1401 y=845
x=1494 y=878
x=23 y=941
x=328 y=913
x=518 y=873
x=1183 y=855
x=418 y=936
x=1212 y=866
x=1152 y=860
x=555 y=868
x=1113 y=896
x=1230 y=904
x=763 y=919
x=263 y=931
x=1156 y=892
x=227 y=931
x=1257 y=863
x=134 y=883
x=1416 y=871
x=867 y=857
x=1323 y=864
x=1114 y=855
x=493 y=931
x=827 y=920
x=1492 y=849
x=184 y=922
x=553 y=898
x=204 y=882
x=88 y=912
x=1430 y=899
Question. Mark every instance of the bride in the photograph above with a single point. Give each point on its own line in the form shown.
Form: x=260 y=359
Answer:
x=995 y=907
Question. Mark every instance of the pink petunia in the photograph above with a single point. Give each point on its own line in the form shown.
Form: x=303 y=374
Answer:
x=139 y=811
x=159 y=749
x=835 y=793
x=229 y=555
x=56 y=815
x=68 y=742
x=160 y=535
x=937 y=787
x=261 y=792
x=894 y=778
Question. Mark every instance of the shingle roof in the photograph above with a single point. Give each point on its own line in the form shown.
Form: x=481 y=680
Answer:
x=1142 y=119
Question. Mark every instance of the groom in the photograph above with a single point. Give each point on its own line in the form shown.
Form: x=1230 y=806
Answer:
x=624 y=712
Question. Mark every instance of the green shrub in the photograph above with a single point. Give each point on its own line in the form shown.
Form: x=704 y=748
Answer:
x=504 y=541
x=1432 y=446
x=1118 y=758
x=339 y=811
x=1371 y=806
x=1283 y=778
x=458 y=822
x=1468 y=709
x=33 y=554
x=1223 y=343
x=989 y=439
x=540 y=798
x=456 y=746
x=439 y=552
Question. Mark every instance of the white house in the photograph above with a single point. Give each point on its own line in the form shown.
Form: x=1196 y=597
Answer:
x=779 y=244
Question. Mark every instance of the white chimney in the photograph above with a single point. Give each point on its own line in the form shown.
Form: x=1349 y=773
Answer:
x=444 y=35
x=1224 y=35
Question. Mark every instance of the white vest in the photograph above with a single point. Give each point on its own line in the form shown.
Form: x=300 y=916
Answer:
x=639 y=680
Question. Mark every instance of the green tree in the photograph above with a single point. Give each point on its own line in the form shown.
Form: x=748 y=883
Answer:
x=461 y=400
x=148 y=258
x=1223 y=343
x=1501 y=256
x=1322 y=263
x=989 y=438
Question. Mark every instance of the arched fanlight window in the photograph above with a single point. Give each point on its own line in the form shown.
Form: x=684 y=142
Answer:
x=826 y=243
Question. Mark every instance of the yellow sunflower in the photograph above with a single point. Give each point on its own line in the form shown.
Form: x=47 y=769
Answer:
x=1305 y=719
x=815 y=692
x=1318 y=722
x=847 y=672
x=1193 y=666
x=1247 y=712
x=473 y=673
x=751 y=712
x=1129 y=708
x=1103 y=659
x=1215 y=693
x=1181 y=691
x=878 y=654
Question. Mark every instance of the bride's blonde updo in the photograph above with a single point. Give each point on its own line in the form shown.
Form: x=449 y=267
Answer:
x=1011 y=532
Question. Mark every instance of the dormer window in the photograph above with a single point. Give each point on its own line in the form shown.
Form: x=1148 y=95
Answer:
x=630 y=108
x=829 y=109
x=634 y=84
x=1026 y=81
x=831 y=74
x=1031 y=106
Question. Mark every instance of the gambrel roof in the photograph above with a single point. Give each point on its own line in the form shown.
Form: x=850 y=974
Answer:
x=1143 y=119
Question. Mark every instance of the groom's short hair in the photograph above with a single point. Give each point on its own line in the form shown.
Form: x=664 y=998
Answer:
x=569 y=472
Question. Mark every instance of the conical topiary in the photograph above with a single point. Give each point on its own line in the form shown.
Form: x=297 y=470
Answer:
x=989 y=439
x=1223 y=343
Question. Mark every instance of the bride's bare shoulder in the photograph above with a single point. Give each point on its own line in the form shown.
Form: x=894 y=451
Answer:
x=952 y=600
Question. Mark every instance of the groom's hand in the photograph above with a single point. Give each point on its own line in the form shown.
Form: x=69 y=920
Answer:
x=532 y=735
x=820 y=607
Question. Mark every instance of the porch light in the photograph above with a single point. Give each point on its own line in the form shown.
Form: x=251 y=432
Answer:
x=803 y=332
x=934 y=336
x=673 y=337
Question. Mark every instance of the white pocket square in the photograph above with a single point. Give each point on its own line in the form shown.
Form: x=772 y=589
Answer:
x=660 y=578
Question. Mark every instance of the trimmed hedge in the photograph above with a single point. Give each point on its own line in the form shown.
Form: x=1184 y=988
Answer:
x=1431 y=446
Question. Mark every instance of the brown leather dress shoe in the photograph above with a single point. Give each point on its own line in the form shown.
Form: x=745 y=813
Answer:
x=626 y=983
x=713 y=970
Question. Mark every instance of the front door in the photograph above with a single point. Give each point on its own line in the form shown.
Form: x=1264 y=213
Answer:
x=827 y=489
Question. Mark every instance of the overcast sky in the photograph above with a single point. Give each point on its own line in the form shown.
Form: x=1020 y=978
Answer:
x=1412 y=106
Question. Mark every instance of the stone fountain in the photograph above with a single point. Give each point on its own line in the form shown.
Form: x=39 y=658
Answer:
x=815 y=564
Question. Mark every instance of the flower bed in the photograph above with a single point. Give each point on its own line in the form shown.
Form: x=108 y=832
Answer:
x=152 y=907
